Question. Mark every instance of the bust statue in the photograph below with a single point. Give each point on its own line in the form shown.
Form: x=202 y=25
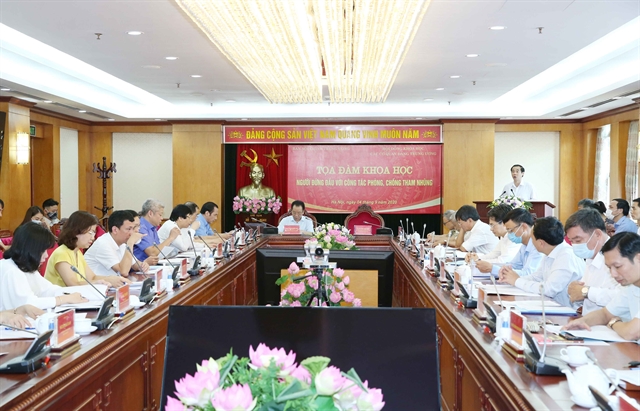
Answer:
x=256 y=189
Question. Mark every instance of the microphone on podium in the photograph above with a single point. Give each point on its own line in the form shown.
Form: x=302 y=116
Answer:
x=381 y=230
x=255 y=220
x=75 y=270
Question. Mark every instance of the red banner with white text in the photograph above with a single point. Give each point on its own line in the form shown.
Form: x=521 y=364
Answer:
x=390 y=178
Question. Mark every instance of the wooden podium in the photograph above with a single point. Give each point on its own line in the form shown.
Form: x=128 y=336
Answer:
x=540 y=209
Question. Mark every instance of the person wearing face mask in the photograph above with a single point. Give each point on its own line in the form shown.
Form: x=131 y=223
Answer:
x=559 y=268
x=50 y=208
x=77 y=233
x=108 y=255
x=504 y=251
x=635 y=211
x=618 y=212
x=518 y=223
x=20 y=281
x=587 y=234
x=34 y=214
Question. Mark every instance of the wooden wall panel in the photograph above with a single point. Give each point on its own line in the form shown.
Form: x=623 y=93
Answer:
x=42 y=174
x=15 y=180
x=468 y=163
x=197 y=165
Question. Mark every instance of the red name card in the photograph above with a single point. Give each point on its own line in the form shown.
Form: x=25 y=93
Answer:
x=362 y=230
x=518 y=322
x=291 y=229
x=443 y=275
x=159 y=281
x=183 y=268
x=64 y=327
x=122 y=298
x=481 y=298
x=456 y=287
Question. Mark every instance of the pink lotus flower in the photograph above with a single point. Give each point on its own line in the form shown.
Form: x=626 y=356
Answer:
x=346 y=280
x=234 y=398
x=334 y=232
x=348 y=296
x=313 y=282
x=329 y=381
x=296 y=290
x=174 y=405
x=357 y=302
x=302 y=374
x=296 y=304
x=327 y=238
x=371 y=401
x=341 y=239
x=196 y=389
x=293 y=268
x=335 y=297
x=263 y=356
x=340 y=286
x=338 y=272
x=347 y=397
x=285 y=303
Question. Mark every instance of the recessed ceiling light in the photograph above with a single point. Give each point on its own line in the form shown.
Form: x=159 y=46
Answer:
x=428 y=99
x=473 y=55
x=47 y=101
x=244 y=119
x=558 y=117
x=497 y=27
x=617 y=98
x=82 y=111
x=112 y=119
x=151 y=66
x=584 y=108
x=454 y=76
x=171 y=58
x=5 y=89
x=134 y=33
x=231 y=101
x=440 y=89
x=158 y=119
x=418 y=118
x=196 y=75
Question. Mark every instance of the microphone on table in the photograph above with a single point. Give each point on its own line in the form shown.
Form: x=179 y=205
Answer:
x=503 y=193
x=255 y=220
x=225 y=251
x=134 y=258
x=19 y=329
x=407 y=220
x=448 y=238
x=174 y=267
x=535 y=361
x=512 y=193
x=413 y=230
x=205 y=243
x=401 y=226
x=424 y=228
x=266 y=228
x=381 y=230
x=75 y=270
x=196 y=262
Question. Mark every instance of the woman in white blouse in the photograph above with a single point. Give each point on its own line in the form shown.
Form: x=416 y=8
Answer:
x=20 y=282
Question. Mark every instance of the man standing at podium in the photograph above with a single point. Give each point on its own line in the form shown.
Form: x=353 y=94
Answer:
x=518 y=188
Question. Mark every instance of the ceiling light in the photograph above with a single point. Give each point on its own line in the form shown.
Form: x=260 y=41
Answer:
x=196 y=75
x=418 y=118
x=297 y=40
x=112 y=119
x=82 y=111
x=497 y=27
x=473 y=55
x=244 y=119
x=151 y=66
x=5 y=89
x=231 y=101
x=616 y=98
x=584 y=108
x=47 y=101
x=454 y=76
x=134 y=33
x=440 y=89
x=158 y=119
x=171 y=58
x=428 y=99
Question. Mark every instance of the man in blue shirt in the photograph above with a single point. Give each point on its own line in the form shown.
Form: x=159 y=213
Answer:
x=208 y=214
x=150 y=218
x=619 y=211
x=519 y=225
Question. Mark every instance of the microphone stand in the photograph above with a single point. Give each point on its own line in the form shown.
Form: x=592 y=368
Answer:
x=225 y=251
x=196 y=263
x=135 y=259
x=75 y=270
x=542 y=365
x=207 y=245
x=174 y=267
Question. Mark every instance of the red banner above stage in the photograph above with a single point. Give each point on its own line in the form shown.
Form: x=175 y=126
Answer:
x=371 y=134
x=390 y=178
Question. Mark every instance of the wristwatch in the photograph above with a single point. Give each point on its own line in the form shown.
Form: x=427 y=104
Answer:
x=613 y=321
x=585 y=292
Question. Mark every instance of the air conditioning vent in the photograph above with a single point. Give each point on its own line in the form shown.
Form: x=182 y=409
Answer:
x=601 y=103
x=629 y=94
x=571 y=113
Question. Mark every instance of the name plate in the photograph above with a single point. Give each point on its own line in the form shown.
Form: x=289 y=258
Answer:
x=63 y=330
x=159 y=278
x=431 y=260
x=443 y=273
x=481 y=299
x=291 y=229
x=456 y=287
x=518 y=322
x=362 y=229
x=122 y=298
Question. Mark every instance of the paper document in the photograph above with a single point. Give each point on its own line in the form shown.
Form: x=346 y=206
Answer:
x=8 y=334
x=506 y=289
x=90 y=305
x=632 y=376
x=598 y=332
x=535 y=307
x=87 y=291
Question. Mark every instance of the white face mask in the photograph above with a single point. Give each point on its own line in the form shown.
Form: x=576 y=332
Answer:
x=609 y=214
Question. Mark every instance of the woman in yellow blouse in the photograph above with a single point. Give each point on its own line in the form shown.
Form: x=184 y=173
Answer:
x=77 y=233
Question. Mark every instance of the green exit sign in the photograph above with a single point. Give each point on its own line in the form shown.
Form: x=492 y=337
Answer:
x=32 y=130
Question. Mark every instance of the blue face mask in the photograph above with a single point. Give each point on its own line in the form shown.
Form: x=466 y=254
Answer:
x=582 y=250
x=514 y=238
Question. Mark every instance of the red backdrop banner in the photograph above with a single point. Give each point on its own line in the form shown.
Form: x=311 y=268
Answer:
x=319 y=134
x=390 y=178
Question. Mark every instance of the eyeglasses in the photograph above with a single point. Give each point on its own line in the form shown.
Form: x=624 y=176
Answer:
x=514 y=229
x=90 y=232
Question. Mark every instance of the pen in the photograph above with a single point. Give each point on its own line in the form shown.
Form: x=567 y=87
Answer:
x=11 y=329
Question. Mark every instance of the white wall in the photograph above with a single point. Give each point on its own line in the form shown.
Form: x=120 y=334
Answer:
x=69 y=197
x=539 y=154
x=144 y=163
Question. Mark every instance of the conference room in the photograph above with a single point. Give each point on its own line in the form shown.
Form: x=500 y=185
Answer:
x=378 y=156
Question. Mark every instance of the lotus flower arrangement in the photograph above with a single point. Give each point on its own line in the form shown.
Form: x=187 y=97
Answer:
x=332 y=236
x=271 y=380
x=513 y=201
x=265 y=205
x=298 y=294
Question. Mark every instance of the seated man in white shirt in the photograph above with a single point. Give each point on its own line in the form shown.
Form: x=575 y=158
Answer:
x=504 y=251
x=518 y=188
x=181 y=218
x=481 y=239
x=635 y=211
x=519 y=226
x=108 y=254
x=298 y=218
x=587 y=233
x=622 y=314
x=559 y=268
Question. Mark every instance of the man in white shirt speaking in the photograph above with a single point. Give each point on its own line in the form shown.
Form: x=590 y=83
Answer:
x=297 y=217
x=108 y=254
x=481 y=240
x=518 y=188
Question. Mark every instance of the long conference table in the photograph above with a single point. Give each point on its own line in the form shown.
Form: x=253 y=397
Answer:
x=121 y=368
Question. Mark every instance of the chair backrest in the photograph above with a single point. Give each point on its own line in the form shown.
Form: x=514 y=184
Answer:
x=306 y=214
x=43 y=267
x=364 y=214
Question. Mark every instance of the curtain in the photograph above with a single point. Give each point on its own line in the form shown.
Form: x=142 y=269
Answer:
x=603 y=161
x=631 y=174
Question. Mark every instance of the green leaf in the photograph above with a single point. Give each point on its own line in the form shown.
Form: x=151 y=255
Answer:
x=272 y=406
x=282 y=279
x=353 y=376
x=315 y=364
x=293 y=391
x=325 y=403
x=227 y=367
